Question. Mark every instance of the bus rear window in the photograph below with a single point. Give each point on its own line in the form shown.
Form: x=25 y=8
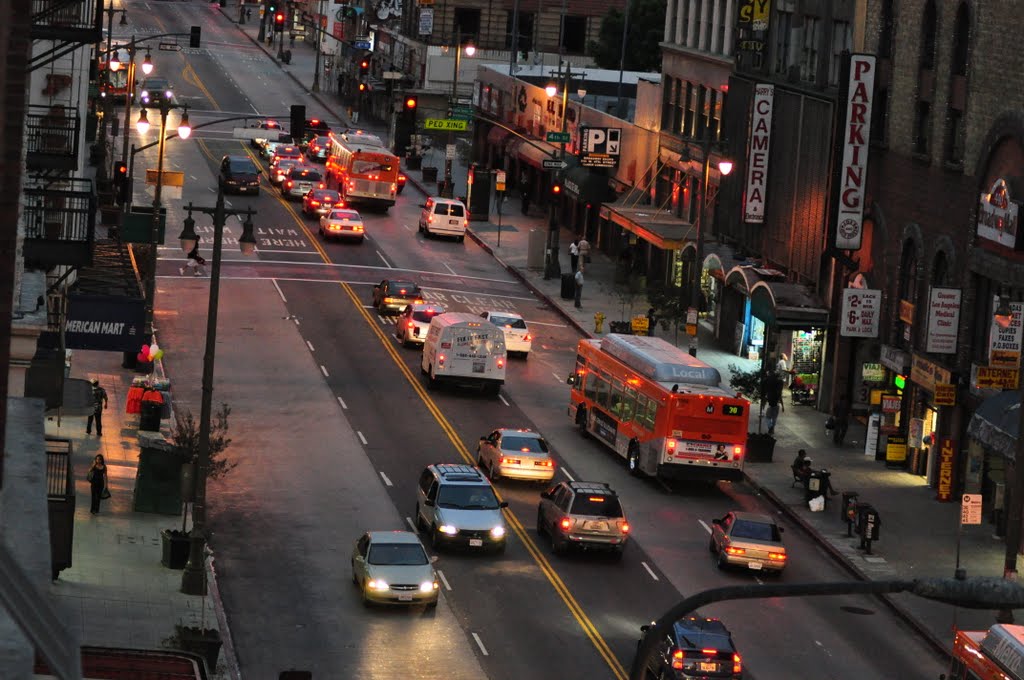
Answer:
x=596 y=506
x=364 y=167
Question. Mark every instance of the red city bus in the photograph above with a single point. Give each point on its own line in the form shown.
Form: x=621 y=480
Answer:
x=661 y=409
x=117 y=87
x=995 y=654
x=366 y=172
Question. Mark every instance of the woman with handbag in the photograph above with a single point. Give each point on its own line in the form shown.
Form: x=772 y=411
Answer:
x=97 y=477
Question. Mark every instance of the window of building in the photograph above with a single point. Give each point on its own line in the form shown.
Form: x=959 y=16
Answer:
x=842 y=39
x=669 y=94
x=780 y=46
x=574 y=34
x=709 y=107
x=467 y=24
x=809 y=49
x=940 y=269
x=908 y=289
x=716 y=116
x=679 y=106
x=885 y=34
x=692 y=107
x=922 y=123
x=953 y=146
x=928 y=26
x=526 y=20
x=926 y=82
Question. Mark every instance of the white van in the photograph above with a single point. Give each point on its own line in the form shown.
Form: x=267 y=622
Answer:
x=444 y=217
x=465 y=349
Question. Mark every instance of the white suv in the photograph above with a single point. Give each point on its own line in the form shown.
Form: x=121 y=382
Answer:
x=444 y=217
x=457 y=506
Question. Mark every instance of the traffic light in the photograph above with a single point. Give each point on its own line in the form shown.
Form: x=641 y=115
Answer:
x=298 y=122
x=364 y=67
x=121 y=182
x=278 y=22
x=556 y=189
x=362 y=87
x=405 y=124
x=194 y=36
x=410 y=105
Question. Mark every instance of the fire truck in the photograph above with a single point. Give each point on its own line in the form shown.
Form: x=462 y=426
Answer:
x=995 y=654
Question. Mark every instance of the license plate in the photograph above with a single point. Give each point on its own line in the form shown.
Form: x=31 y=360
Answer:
x=708 y=667
x=405 y=598
x=756 y=566
x=479 y=366
x=597 y=526
x=476 y=542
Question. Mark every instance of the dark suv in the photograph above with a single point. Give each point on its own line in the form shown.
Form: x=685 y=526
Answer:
x=694 y=649
x=583 y=514
x=238 y=174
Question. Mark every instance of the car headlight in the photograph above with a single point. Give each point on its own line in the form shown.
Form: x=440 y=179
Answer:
x=497 y=532
x=376 y=584
x=448 y=529
x=428 y=586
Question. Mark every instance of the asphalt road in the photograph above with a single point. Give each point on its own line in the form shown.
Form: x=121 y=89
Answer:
x=524 y=614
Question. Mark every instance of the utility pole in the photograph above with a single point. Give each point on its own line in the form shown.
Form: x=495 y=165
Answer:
x=316 y=48
x=622 y=61
x=552 y=268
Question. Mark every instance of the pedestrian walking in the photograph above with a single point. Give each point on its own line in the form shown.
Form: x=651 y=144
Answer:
x=652 y=321
x=574 y=254
x=99 y=403
x=772 y=395
x=97 y=477
x=785 y=369
x=584 y=247
x=841 y=421
x=524 y=193
x=578 y=278
x=195 y=262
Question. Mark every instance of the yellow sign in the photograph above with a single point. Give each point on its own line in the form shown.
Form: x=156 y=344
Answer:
x=896 y=449
x=640 y=325
x=945 y=394
x=990 y=377
x=445 y=124
x=907 y=312
x=172 y=178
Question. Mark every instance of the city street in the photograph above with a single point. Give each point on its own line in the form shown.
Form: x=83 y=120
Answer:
x=345 y=425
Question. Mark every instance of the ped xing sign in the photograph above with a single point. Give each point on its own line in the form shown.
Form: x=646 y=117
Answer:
x=445 y=124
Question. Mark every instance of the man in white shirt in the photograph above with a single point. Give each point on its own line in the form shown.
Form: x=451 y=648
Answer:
x=578 y=278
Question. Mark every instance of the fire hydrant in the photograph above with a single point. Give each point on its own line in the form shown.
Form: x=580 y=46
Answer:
x=598 y=322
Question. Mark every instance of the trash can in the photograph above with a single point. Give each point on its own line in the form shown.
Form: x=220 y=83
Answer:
x=814 y=486
x=149 y=416
x=568 y=287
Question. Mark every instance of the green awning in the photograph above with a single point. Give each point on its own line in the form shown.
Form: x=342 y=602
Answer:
x=586 y=185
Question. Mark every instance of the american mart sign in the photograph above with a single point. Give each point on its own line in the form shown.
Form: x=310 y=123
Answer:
x=757 y=162
x=856 y=133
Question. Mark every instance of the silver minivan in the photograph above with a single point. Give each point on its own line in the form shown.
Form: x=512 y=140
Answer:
x=456 y=506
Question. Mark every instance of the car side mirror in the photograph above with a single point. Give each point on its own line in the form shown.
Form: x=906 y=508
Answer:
x=433 y=559
x=503 y=504
x=571 y=380
x=429 y=503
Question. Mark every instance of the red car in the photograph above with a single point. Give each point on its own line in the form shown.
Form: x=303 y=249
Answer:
x=402 y=179
x=319 y=202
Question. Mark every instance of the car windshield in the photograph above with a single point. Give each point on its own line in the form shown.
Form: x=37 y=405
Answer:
x=453 y=209
x=425 y=316
x=758 y=531
x=156 y=84
x=242 y=165
x=510 y=321
x=467 y=497
x=596 y=505
x=396 y=554
x=516 y=442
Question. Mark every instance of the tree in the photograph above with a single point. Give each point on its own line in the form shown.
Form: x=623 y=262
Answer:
x=646 y=30
x=185 y=436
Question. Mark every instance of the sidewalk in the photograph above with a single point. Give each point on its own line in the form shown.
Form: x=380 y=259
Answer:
x=918 y=534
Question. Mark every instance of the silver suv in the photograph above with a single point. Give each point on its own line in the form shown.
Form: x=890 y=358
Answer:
x=584 y=514
x=456 y=506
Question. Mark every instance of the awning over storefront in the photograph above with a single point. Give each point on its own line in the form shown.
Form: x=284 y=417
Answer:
x=585 y=185
x=534 y=152
x=660 y=228
x=777 y=302
x=996 y=423
x=719 y=259
x=497 y=136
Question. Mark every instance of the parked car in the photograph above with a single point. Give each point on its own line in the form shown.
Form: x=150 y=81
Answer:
x=343 y=223
x=586 y=515
x=391 y=567
x=695 y=649
x=238 y=174
x=319 y=202
x=391 y=296
x=517 y=336
x=411 y=327
x=748 y=540
x=516 y=454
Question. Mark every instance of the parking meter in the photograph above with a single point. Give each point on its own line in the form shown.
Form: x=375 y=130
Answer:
x=869 y=524
x=848 y=510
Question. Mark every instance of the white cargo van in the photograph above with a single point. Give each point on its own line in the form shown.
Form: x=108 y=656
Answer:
x=464 y=349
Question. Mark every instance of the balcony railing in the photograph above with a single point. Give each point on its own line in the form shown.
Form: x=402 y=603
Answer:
x=73 y=21
x=51 y=137
x=60 y=224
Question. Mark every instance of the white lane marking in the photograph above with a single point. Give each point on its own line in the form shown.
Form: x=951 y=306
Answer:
x=531 y=322
x=440 y=575
x=254 y=108
x=653 y=575
x=386 y=263
x=449 y=268
x=407 y=227
x=480 y=644
x=194 y=177
x=227 y=203
x=704 y=524
x=383 y=476
x=566 y=473
x=343 y=404
x=502 y=399
x=759 y=581
x=323 y=369
x=556 y=376
x=296 y=321
x=310 y=346
x=408 y=520
x=361 y=437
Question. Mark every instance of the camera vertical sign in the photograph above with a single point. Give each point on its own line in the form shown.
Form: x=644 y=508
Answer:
x=856 y=133
x=861 y=313
x=757 y=163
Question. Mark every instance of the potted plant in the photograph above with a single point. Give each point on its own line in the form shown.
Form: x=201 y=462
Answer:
x=760 y=445
x=185 y=436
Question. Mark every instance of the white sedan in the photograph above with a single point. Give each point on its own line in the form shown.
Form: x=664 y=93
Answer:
x=391 y=567
x=518 y=339
x=342 y=224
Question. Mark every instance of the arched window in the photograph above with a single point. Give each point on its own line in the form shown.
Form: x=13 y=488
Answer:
x=908 y=290
x=940 y=270
x=925 y=80
x=953 y=147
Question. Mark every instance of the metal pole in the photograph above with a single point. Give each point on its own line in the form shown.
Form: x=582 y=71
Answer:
x=262 y=35
x=1013 y=516
x=513 y=53
x=622 y=60
x=129 y=94
x=698 y=255
x=154 y=237
x=449 y=189
x=193 y=579
x=316 y=49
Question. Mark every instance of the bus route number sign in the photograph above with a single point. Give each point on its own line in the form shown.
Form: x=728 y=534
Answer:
x=732 y=410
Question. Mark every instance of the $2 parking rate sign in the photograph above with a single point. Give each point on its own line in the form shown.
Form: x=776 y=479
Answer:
x=861 y=309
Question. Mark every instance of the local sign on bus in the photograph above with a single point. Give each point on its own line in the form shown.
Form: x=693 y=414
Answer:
x=445 y=124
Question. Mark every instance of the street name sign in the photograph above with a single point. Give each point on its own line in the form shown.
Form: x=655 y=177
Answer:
x=549 y=164
x=445 y=124
x=558 y=137
x=361 y=44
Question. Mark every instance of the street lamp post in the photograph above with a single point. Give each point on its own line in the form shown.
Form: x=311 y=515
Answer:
x=706 y=198
x=193 y=579
x=552 y=267
x=448 y=190
x=317 y=44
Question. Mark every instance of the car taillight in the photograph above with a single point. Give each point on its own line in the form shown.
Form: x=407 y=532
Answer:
x=358 y=227
x=565 y=523
x=735 y=551
x=410 y=325
x=419 y=302
x=394 y=187
x=314 y=202
x=290 y=184
x=737 y=664
x=501 y=362
x=671 y=445
x=624 y=527
x=430 y=219
x=322 y=186
x=351 y=186
x=677 y=659
x=777 y=556
x=737 y=451
x=528 y=337
x=440 y=360
x=545 y=463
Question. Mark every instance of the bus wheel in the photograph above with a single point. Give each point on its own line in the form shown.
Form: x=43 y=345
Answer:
x=633 y=460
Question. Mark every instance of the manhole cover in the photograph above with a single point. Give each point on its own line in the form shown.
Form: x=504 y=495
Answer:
x=860 y=611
